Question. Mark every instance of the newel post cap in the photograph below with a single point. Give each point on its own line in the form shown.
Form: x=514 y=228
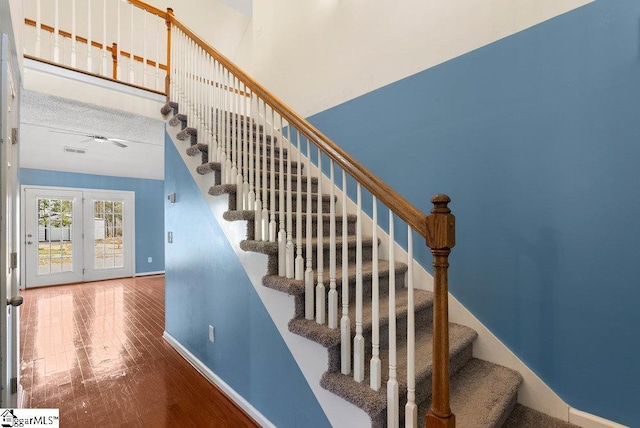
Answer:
x=441 y=224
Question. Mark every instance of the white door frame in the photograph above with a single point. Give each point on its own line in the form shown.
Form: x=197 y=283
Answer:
x=9 y=224
x=90 y=274
x=32 y=236
x=128 y=199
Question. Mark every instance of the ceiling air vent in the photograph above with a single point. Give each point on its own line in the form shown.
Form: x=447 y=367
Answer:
x=78 y=150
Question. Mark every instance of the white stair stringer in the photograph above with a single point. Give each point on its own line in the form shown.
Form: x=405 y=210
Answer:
x=311 y=357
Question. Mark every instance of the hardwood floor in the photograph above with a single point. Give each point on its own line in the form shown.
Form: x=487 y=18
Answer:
x=96 y=352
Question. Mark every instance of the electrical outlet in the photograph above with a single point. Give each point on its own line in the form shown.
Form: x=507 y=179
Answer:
x=149 y=260
x=211 y=337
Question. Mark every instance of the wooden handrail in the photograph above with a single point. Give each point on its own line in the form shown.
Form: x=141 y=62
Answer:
x=403 y=208
x=95 y=44
x=147 y=7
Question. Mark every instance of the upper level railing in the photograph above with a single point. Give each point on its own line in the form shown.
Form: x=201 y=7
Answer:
x=122 y=41
x=229 y=111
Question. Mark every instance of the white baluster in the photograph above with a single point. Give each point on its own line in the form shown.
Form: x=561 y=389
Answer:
x=321 y=298
x=393 y=408
x=289 y=265
x=144 y=49
x=265 y=183
x=105 y=63
x=200 y=95
x=219 y=118
x=158 y=26
x=333 y=293
x=273 y=227
x=227 y=127
x=252 y=140
x=56 y=33
x=410 y=409
x=245 y=149
x=299 y=262
x=376 y=364
x=308 y=274
x=345 y=322
x=132 y=73
x=258 y=211
x=282 y=235
x=358 y=340
x=38 y=29
x=238 y=143
x=188 y=62
x=89 y=40
x=117 y=53
x=73 y=34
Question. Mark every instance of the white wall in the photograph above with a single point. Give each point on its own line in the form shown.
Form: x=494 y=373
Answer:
x=220 y=25
x=319 y=53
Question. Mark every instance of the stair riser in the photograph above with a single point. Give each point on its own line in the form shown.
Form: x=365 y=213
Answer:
x=261 y=149
x=366 y=254
x=294 y=201
x=367 y=287
x=351 y=227
x=423 y=319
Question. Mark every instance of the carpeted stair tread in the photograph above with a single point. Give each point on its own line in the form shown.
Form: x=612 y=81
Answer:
x=249 y=215
x=525 y=417
x=481 y=395
x=295 y=287
x=271 y=248
x=327 y=337
x=374 y=402
x=196 y=149
x=169 y=107
x=188 y=134
x=209 y=167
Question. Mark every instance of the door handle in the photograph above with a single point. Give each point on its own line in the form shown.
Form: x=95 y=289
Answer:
x=29 y=242
x=15 y=300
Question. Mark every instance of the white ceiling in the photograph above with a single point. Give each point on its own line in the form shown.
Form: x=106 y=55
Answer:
x=44 y=117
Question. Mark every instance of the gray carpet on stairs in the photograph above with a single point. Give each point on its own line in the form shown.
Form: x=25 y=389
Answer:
x=483 y=394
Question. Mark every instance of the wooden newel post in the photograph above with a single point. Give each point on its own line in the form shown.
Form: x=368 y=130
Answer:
x=167 y=79
x=440 y=238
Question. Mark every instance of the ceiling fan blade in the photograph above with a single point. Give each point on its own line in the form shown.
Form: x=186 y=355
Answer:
x=122 y=140
x=69 y=132
x=117 y=143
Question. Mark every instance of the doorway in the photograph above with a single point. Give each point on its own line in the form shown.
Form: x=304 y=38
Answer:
x=9 y=236
x=77 y=235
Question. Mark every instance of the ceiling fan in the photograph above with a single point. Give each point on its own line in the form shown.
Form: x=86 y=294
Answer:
x=120 y=142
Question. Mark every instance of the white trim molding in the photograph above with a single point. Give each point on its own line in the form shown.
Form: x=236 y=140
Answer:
x=158 y=272
x=586 y=420
x=218 y=382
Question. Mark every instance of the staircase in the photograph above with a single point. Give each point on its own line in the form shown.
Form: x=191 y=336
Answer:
x=482 y=394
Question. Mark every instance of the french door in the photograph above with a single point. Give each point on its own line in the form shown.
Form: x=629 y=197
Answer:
x=75 y=235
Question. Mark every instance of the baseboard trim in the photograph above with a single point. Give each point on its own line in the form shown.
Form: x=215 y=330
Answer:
x=587 y=420
x=159 y=272
x=217 y=381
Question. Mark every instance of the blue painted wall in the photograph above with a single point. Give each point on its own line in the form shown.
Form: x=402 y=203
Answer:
x=207 y=285
x=149 y=207
x=537 y=140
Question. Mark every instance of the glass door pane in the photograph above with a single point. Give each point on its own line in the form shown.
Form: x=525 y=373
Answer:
x=55 y=236
x=108 y=234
